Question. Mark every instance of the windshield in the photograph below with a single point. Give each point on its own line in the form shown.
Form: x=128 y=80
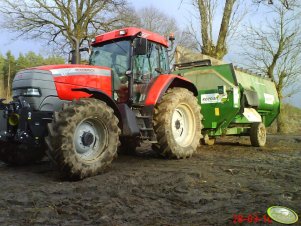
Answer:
x=115 y=55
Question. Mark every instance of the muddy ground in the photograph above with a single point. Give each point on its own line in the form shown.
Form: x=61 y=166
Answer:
x=220 y=181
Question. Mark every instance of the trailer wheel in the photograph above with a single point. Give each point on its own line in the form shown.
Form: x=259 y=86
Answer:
x=177 y=124
x=258 y=134
x=83 y=138
x=20 y=154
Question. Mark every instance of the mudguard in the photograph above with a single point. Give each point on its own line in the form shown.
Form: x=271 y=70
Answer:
x=97 y=94
x=164 y=82
x=127 y=119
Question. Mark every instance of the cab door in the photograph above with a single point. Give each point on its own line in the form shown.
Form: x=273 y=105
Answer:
x=146 y=68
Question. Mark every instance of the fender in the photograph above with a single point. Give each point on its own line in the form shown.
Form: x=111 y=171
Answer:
x=164 y=82
x=97 y=94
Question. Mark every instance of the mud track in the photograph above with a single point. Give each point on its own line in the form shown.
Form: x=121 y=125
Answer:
x=228 y=178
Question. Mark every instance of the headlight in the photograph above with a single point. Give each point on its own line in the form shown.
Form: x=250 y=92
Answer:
x=32 y=92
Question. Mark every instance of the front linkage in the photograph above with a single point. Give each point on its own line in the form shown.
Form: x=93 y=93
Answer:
x=22 y=132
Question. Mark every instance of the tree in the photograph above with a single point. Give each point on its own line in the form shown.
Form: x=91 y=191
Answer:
x=2 y=82
x=207 y=13
x=275 y=50
x=51 y=60
x=58 y=21
x=9 y=70
x=31 y=59
x=9 y=66
x=288 y=4
x=154 y=20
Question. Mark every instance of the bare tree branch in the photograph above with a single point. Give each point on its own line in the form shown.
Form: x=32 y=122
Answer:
x=57 y=20
x=275 y=50
x=232 y=17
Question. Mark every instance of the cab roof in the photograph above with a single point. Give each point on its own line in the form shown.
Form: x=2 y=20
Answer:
x=130 y=32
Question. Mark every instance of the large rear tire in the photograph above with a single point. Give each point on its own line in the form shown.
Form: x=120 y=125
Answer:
x=20 y=154
x=83 y=138
x=177 y=124
x=258 y=134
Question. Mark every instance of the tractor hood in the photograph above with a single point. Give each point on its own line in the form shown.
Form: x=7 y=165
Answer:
x=39 y=83
x=65 y=70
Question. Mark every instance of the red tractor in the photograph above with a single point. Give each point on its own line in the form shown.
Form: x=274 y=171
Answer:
x=126 y=95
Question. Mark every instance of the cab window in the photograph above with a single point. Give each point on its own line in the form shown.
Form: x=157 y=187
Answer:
x=146 y=66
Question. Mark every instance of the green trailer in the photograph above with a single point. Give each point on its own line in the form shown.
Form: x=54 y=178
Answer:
x=233 y=102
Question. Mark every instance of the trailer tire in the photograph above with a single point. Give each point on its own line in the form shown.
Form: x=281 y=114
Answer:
x=177 y=124
x=20 y=154
x=258 y=134
x=83 y=138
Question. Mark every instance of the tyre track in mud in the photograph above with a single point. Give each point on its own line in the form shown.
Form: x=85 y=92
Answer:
x=228 y=178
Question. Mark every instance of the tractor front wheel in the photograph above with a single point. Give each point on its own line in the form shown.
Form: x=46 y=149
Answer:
x=177 y=124
x=83 y=138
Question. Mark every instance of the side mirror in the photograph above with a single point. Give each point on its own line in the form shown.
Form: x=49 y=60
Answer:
x=140 y=46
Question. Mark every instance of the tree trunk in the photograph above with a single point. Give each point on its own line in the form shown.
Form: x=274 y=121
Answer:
x=8 y=83
x=281 y=117
x=281 y=122
x=206 y=48
x=219 y=50
x=221 y=47
x=2 y=91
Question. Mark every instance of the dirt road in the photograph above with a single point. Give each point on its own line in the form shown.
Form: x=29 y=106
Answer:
x=220 y=181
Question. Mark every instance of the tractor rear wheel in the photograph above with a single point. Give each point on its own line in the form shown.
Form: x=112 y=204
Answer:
x=83 y=138
x=258 y=134
x=20 y=154
x=177 y=124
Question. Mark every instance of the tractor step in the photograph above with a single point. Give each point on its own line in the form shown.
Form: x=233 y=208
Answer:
x=143 y=116
x=138 y=106
x=150 y=142
x=146 y=129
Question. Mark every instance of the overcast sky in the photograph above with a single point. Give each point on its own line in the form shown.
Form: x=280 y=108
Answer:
x=180 y=10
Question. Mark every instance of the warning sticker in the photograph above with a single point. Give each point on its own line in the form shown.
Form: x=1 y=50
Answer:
x=268 y=98
x=236 y=97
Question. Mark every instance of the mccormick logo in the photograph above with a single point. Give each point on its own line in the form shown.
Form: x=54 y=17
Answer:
x=84 y=70
x=80 y=71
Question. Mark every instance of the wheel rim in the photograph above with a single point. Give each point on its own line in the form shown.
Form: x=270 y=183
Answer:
x=183 y=125
x=90 y=139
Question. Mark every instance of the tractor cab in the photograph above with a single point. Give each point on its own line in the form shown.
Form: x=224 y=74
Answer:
x=136 y=56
